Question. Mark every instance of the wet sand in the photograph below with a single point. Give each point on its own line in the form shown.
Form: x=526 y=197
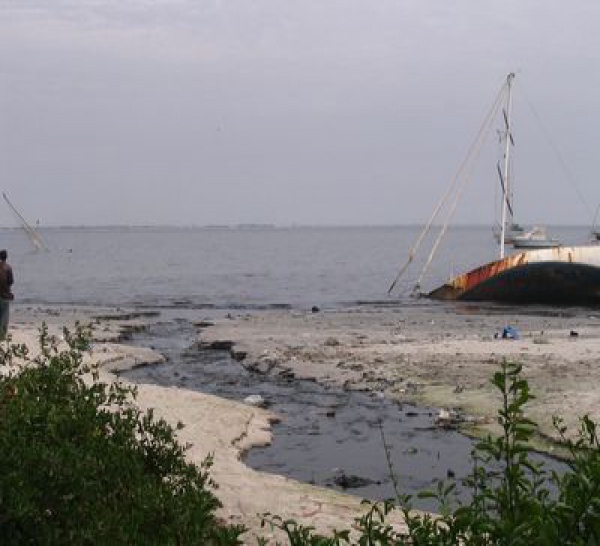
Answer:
x=440 y=356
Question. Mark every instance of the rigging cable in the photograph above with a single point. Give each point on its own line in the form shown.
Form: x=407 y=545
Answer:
x=559 y=156
x=467 y=178
x=452 y=187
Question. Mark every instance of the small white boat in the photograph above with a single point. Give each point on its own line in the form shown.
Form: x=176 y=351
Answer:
x=512 y=230
x=535 y=238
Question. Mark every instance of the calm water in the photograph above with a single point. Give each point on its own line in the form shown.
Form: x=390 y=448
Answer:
x=230 y=268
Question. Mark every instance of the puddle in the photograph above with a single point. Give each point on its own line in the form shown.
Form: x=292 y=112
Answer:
x=327 y=436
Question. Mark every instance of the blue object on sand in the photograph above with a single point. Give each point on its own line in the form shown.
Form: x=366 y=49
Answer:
x=510 y=333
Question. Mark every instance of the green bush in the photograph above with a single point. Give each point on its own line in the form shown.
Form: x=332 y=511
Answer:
x=81 y=464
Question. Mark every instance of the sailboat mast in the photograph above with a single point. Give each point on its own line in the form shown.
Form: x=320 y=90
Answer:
x=33 y=236
x=506 y=185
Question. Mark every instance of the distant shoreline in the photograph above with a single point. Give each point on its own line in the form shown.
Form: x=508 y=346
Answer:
x=261 y=226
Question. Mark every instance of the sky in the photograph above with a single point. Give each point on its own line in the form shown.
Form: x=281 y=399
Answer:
x=321 y=112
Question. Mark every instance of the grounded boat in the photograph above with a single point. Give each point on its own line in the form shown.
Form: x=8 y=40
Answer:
x=549 y=274
x=535 y=238
x=553 y=274
x=566 y=274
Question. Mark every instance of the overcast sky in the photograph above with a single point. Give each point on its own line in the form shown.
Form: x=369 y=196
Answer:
x=292 y=111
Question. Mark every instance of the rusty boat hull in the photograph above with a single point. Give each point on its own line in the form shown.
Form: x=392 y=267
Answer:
x=562 y=275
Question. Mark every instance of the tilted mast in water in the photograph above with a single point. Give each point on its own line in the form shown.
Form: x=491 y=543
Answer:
x=35 y=239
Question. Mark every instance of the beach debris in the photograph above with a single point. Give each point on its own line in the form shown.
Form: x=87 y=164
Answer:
x=256 y=400
x=349 y=481
x=263 y=363
x=331 y=342
x=238 y=355
x=474 y=420
x=508 y=332
x=574 y=333
x=287 y=374
x=411 y=388
x=203 y=324
x=354 y=366
x=448 y=419
x=218 y=345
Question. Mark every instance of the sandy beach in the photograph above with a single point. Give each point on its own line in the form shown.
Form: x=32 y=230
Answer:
x=442 y=357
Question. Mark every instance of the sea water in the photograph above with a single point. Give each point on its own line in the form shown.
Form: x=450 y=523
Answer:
x=239 y=267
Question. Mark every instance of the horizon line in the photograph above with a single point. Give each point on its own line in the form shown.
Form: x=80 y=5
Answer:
x=267 y=225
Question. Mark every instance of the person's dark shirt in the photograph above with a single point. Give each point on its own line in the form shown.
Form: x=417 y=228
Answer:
x=6 y=281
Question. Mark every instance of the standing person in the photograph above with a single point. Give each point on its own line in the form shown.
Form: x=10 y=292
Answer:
x=6 y=280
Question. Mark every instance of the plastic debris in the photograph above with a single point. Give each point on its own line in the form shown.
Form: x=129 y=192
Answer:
x=510 y=332
x=256 y=400
x=448 y=419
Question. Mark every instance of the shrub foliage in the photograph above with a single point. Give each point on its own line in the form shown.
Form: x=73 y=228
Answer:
x=81 y=464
